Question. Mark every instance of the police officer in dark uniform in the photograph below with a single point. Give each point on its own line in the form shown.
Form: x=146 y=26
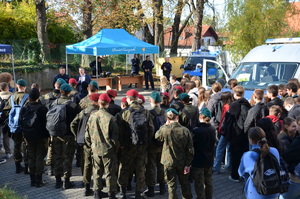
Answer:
x=94 y=68
x=147 y=67
x=166 y=68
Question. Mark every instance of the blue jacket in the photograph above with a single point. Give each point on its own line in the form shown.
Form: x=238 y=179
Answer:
x=246 y=168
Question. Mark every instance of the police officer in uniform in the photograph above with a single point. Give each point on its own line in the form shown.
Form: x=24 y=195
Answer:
x=147 y=67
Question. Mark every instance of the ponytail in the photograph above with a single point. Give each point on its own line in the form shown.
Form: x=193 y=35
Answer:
x=264 y=147
x=258 y=136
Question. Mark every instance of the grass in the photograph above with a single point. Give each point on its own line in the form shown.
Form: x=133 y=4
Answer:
x=6 y=193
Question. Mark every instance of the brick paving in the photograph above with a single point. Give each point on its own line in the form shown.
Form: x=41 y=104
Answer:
x=223 y=188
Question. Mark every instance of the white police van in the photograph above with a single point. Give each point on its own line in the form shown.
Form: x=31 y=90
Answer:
x=273 y=63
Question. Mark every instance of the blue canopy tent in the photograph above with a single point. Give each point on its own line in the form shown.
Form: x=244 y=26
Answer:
x=7 y=49
x=111 y=42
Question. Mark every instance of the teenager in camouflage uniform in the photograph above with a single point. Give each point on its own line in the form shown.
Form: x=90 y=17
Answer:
x=154 y=153
x=92 y=88
x=177 y=154
x=64 y=146
x=102 y=136
x=86 y=166
x=133 y=156
x=18 y=137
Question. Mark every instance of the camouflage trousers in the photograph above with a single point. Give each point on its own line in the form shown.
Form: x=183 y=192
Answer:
x=109 y=164
x=170 y=176
x=19 y=147
x=87 y=165
x=203 y=182
x=63 y=149
x=134 y=157
x=49 y=160
x=37 y=151
x=153 y=165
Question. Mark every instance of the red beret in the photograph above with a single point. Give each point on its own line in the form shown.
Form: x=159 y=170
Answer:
x=111 y=93
x=179 y=88
x=94 y=97
x=72 y=81
x=166 y=94
x=141 y=97
x=132 y=93
x=124 y=100
x=104 y=97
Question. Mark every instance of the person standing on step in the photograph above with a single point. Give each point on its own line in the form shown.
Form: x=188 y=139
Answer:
x=147 y=67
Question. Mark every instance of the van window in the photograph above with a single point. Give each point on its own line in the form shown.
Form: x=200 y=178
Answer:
x=214 y=72
x=191 y=62
x=261 y=74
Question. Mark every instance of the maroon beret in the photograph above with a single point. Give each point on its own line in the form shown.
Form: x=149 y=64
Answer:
x=166 y=94
x=104 y=97
x=111 y=93
x=124 y=100
x=141 y=97
x=179 y=88
x=94 y=97
x=132 y=93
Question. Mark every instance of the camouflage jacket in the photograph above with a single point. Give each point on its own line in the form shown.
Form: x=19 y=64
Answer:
x=178 y=150
x=85 y=102
x=102 y=133
x=126 y=118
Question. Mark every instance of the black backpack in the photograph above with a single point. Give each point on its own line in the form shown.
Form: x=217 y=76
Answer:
x=29 y=121
x=81 y=127
x=2 y=105
x=159 y=120
x=51 y=99
x=218 y=112
x=266 y=174
x=139 y=126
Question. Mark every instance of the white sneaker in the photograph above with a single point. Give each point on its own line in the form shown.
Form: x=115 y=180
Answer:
x=2 y=161
x=2 y=150
x=7 y=156
x=233 y=180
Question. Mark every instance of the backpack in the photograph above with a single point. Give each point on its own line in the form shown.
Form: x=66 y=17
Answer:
x=2 y=105
x=51 y=99
x=81 y=127
x=242 y=117
x=159 y=120
x=193 y=120
x=266 y=174
x=284 y=176
x=139 y=126
x=29 y=121
x=57 y=119
x=228 y=125
x=218 y=112
x=14 y=114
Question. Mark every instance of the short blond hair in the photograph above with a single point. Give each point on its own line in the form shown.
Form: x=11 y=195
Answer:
x=239 y=90
x=275 y=110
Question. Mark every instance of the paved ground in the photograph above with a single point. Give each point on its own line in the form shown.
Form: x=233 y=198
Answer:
x=223 y=188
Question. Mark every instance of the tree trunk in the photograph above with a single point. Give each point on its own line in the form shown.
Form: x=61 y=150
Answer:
x=147 y=36
x=176 y=30
x=158 y=26
x=87 y=27
x=42 y=29
x=198 y=16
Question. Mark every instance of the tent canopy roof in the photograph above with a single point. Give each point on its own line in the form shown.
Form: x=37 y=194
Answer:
x=112 y=42
x=5 y=49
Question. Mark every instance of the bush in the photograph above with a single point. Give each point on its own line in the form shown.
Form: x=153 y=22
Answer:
x=7 y=193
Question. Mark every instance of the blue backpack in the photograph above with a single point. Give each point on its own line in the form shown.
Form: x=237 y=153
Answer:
x=14 y=114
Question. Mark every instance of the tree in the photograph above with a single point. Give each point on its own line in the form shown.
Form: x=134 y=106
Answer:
x=42 y=33
x=251 y=22
x=158 y=24
x=197 y=7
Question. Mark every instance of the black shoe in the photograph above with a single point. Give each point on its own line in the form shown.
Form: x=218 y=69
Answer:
x=162 y=189
x=68 y=184
x=150 y=192
x=19 y=168
x=39 y=181
x=88 y=191
x=58 y=183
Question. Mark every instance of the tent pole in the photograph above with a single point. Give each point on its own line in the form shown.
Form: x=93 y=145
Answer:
x=97 y=68
x=13 y=66
x=66 y=63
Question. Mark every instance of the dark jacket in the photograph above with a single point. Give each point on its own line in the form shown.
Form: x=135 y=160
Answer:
x=38 y=130
x=278 y=102
x=212 y=106
x=255 y=113
x=294 y=112
x=204 y=140
x=292 y=156
x=235 y=110
x=286 y=140
x=88 y=79
x=64 y=77
x=113 y=108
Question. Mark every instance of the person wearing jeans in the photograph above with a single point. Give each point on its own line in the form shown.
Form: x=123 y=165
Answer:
x=222 y=145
